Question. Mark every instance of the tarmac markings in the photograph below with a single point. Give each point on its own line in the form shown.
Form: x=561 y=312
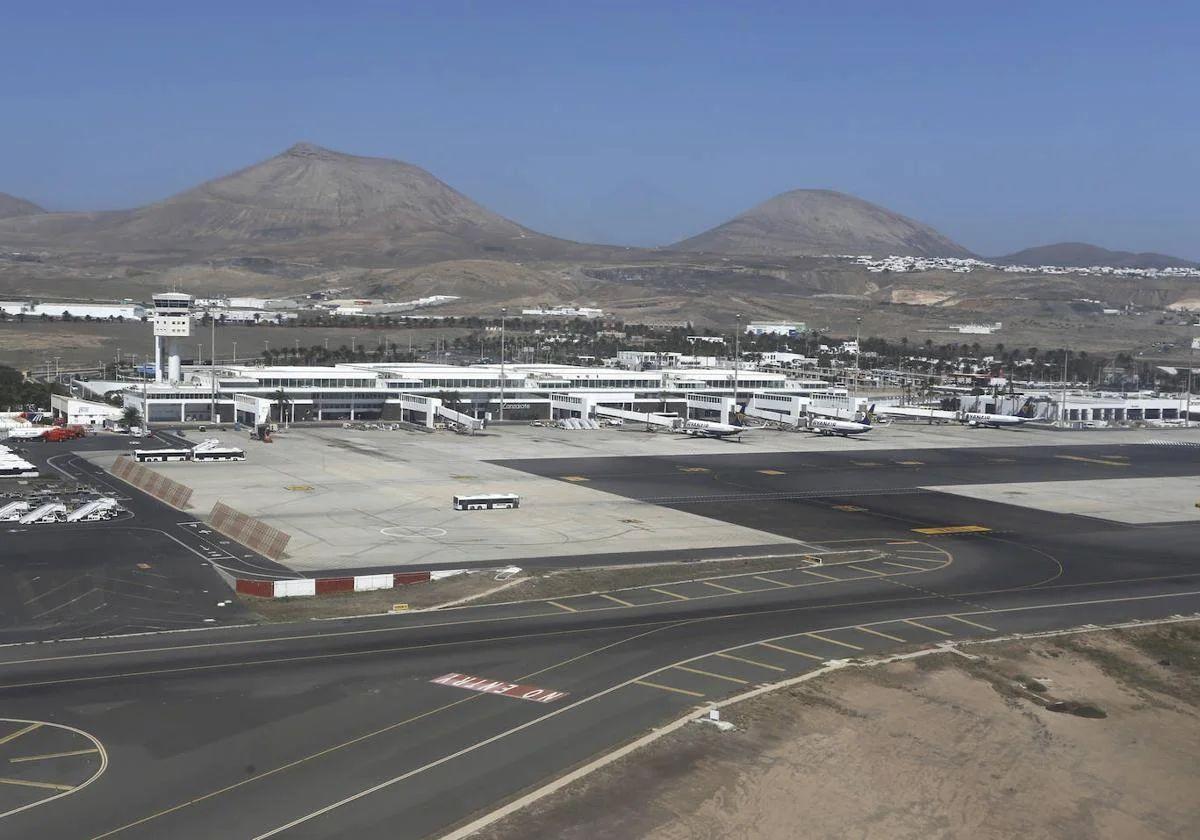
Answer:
x=821 y=638
x=953 y=529
x=723 y=586
x=733 y=658
x=771 y=472
x=562 y=606
x=779 y=647
x=850 y=508
x=1106 y=460
x=615 y=599
x=905 y=565
x=67 y=754
x=668 y=688
x=926 y=627
x=501 y=687
x=33 y=784
x=865 y=571
x=691 y=670
x=911 y=463
x=776 y=582
x=675 y=595
x=818 y=574
x=973 y=623
x=25 y=730
x=881 y=633
x=694 y=469
x=575 y=478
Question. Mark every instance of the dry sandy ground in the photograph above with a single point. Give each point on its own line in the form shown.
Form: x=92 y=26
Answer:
x=932 y=748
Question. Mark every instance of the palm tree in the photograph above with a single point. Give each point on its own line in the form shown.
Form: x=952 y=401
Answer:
x=131 y=417
x=282 y=402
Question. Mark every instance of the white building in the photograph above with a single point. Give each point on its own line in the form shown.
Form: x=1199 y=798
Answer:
x=769 y=328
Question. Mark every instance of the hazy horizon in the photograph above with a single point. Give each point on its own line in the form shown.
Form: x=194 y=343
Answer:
x=633 y=124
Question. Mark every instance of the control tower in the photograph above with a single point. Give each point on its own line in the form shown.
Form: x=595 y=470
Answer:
x=172 y=322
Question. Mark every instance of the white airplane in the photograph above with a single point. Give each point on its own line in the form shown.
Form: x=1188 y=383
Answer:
x=994 y=421
x=845 y=428
x=709 y=429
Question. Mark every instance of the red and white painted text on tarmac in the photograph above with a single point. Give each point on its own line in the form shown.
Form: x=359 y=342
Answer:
x=486 y=686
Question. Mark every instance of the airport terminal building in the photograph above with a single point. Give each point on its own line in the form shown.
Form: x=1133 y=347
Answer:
x=403 y=391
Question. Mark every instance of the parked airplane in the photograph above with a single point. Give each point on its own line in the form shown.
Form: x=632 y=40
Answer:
x=707 y=428
x=994 y=421
x=845 y=428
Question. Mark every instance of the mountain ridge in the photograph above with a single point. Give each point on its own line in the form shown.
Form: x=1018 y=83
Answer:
x=1083 y=254
x=815 y=221
x=12 y=206
x=309 y=201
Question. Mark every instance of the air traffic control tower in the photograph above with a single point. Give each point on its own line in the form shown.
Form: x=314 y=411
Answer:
x=172 y=322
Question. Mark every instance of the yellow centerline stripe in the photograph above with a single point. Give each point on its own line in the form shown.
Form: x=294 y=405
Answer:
x=670 y=594
x=614 y=599
x=27 y=783
x=749 y=661
x=710 y=674
x=668 y=688
x=881 y=633
x=774 y=646
x=12 y=736
x=772 y=580
x=562 y=606
x=832 y=641
x=723 y=586
x=1092 y=460
x=974 y=623
x=52 y=755
x=926 y=627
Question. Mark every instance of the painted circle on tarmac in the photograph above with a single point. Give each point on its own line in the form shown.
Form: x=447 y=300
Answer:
x=45 y=761
x=405 y=531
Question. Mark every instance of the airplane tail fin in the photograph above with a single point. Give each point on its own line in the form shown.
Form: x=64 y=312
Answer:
x=869 y=415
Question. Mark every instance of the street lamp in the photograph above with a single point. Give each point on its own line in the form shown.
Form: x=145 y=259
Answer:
x=737 y=359
x=503 y=316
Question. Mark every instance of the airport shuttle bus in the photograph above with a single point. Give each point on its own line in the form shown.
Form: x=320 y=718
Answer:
x=487 y=501
x=162 y=455
x=212 y=450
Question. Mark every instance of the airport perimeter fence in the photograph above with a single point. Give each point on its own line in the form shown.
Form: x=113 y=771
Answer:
x=258 y=535
x=155 y=484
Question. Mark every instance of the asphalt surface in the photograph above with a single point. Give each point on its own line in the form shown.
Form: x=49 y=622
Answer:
x=335 y=729
x=148 y=571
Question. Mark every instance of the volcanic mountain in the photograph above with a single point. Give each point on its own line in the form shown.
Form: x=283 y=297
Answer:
x=1081 y=254
x=11 y=206
x=822 y=222
x=307 y=202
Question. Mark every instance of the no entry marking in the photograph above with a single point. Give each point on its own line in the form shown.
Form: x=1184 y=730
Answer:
x=507 y=689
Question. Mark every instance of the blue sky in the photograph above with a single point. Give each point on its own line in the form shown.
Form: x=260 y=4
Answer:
x=1003 y=124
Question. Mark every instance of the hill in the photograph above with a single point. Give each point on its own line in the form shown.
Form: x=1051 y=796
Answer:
x=817 y=222
x=308 y=202
x=1065 y=254
x=11 y=206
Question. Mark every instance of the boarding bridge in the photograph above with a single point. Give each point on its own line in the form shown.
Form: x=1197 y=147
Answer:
x=465 y=421
x=665 y=420
x=710 y=407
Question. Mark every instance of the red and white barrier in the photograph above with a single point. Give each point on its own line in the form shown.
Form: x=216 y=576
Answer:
x=309 y=587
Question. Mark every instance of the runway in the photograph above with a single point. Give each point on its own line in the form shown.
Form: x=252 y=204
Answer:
x=403 y=726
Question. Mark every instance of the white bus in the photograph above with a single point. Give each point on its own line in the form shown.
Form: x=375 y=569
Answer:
x=487 y=501
x=162 y=454
x=212 y=450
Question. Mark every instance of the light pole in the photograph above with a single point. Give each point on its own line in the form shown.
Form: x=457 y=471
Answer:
x=235 y=352
x=737 y=359
x=1187 y=411
x=212 y=410
x=1062 y=408
x=503 y=317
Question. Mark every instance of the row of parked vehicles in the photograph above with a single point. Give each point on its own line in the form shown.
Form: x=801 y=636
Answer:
x=27 y=513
